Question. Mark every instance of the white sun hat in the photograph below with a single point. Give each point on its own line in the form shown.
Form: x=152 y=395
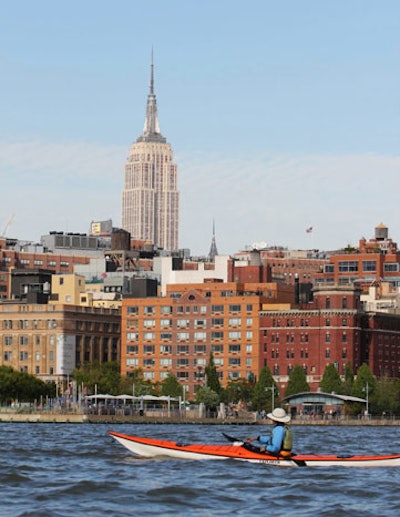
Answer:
x=279 y=415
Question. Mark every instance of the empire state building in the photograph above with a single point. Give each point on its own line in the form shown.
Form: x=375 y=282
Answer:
x=150 y=199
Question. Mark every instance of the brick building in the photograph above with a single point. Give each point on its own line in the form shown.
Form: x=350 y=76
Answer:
x=49 y=341
x=179 y=331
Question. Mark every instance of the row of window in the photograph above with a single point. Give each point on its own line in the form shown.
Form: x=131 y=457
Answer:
x=290 y=354
x=24 y=356
x=24 y=340
x=304 y=338
x=188 y=376
x=186 y=336
x=27 y=262
x=186 y=349
x=150 y=362
x=186 y=323
x=28 y=324
x=188 y=309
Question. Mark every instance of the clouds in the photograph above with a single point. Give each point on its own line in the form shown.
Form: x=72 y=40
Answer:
x=64 y=185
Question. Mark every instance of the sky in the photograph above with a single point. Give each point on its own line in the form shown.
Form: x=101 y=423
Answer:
x=282 y=115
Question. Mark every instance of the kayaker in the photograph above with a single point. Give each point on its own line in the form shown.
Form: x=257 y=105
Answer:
x=281 y=439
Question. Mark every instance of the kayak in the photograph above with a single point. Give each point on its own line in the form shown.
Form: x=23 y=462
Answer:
x=239 y=450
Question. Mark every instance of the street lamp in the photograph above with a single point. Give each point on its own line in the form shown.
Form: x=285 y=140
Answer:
x=272 y=388
x=367 y=404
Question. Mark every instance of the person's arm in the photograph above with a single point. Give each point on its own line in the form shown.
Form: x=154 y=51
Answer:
x=262 y=439
x=278 y=435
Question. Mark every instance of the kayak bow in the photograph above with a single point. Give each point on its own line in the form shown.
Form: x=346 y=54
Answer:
x=149 y=448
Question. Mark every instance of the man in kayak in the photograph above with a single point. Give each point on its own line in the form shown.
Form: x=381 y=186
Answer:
x=281 y=440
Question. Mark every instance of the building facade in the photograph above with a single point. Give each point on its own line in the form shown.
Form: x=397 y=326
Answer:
x=150 y=199
x=177 y=333
x=49 y=341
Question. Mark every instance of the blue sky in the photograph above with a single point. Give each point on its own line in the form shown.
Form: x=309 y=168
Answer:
x=282 y=115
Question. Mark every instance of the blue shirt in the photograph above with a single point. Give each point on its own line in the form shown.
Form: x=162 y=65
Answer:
x=274 y=443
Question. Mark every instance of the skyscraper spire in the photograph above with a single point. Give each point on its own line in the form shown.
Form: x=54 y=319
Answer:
x=151 y=129
x=213 y=249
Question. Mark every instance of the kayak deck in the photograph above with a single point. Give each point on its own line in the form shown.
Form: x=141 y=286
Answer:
x=149 y=447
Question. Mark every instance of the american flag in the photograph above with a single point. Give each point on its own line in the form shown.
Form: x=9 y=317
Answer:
x=309 y=230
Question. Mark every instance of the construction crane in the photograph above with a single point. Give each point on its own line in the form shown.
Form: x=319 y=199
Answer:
x=7 y=226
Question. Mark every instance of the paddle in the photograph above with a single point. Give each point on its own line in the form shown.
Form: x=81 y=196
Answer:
x=254 y=448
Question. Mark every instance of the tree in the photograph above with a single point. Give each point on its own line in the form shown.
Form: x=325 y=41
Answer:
x=212 y=376
x=170 y=386
x=237 y=389
x=106 y=376
x=262 y=393
x=331 y=381
x=297 y=381
x=207 y=396
x=365 y=386
x=22 y=386
x=348 y=379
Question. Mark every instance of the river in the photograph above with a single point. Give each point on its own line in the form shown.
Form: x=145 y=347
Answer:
x=65 y=470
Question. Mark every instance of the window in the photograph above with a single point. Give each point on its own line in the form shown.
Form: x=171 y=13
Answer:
x=200 y=323
x=234 y=334
x=249 y=349
x=217 y=335
x=234 y=308
x=249 y=334
x=217 y=322
x=165 y=349
x=7 y=356
x=199 y=349
x=183 y=349
x=369 y=265
x=235 y=322
x=217 y=308
x=148 y=349
x=327 y=303
x=328 y=322
x=200 y=336
x=132 y=336
x=182 y=363
x=249 y=307
x=217 y=349
x=347 y=266
x=132 y=349
x=249 y=322
x=165 y=362
x=166 y=323
x=344 y=337
x=132 y=310
x=183 y=323
x=166 y=336
x=328 y=353
x=23 y=340
x=148 y=362
x=182 y=336
x=132 y=362
x=327 y=338
x=234 y=349
x=219 y=361
x=393 y=267
x=149 y=310
x=148 y=336
x=344 y=322
x=148 y=376
x=7 y=340
x=23 y=356
x=149 y=323
x=166 y=309
x=344 y=303
x=234 y=361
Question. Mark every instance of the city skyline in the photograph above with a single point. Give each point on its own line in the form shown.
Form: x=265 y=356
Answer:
x=281 y=117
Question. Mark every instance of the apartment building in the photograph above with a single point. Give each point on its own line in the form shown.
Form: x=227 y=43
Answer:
x=178 y=332
x=49 y=341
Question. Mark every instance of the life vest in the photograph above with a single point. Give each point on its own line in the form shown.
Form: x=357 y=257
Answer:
x=287 y=443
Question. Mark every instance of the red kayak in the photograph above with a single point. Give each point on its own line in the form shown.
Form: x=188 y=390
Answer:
x=149 y=448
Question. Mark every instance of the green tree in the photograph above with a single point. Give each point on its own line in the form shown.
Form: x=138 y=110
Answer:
x=297 y=381
x=106 y=376
x=331 y=381
x=262 y=393
x=348 y=379
x=387 y=396
x=212 y=376
x=207 y=396
x=364 y=386
x=235 y=390
x=171 y=386
x=22 y=386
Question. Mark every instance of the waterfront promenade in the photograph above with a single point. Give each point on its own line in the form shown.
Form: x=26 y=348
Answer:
x=176 y=417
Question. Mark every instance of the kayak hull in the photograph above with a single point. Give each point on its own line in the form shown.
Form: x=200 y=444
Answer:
x=150 y=448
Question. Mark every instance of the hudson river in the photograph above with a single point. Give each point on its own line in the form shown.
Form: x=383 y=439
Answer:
x=66 y=470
